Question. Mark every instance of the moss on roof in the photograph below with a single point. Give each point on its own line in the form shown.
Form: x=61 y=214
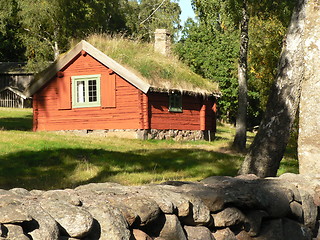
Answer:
x=161 y=72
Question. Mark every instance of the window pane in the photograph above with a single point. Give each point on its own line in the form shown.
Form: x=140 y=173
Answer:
x=80 y=92
x=92 y=90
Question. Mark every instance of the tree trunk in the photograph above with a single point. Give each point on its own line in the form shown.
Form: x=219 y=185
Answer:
x=240 y=138
x=267 y=149
x=309 y=116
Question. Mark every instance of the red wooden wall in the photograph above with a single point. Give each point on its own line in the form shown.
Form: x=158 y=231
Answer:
x=198 y=113
x=122 y=105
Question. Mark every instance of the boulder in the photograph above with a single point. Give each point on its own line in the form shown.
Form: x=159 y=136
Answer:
x=68 y=195
x=271 y=229
x=198 y=233
x=140 y=235
x=167 y=199
x=228 y=217
x=172 y=229
x=74 y=221
x=253 y=219
x=296 y=211
x=243 y=235
x=14 y=232
x=147 y=210
x=109 y=223
x=310 y=210
x=295 y=231
x=20 y=191
x=224 y=234
x=12 y=209
x=43 y=226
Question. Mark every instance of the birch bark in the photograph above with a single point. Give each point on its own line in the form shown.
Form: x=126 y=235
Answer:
x=268 y=147
x=309 y=116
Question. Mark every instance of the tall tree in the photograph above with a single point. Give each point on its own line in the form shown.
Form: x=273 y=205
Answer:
x=145 y=16
x=240 y=139
x=238 y=9
x=11 y=46
x=49 y=25
x=268 y=147
x=212 y=52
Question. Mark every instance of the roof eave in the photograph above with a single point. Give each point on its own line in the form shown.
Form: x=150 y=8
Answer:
x=45 y=76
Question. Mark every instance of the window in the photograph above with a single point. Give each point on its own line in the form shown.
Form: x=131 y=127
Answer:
x=86 y=91
x=175 y=102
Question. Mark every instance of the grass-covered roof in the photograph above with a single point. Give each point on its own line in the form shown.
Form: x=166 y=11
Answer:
x=161 y=72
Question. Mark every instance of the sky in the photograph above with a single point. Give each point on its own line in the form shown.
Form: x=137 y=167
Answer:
x=186 y=10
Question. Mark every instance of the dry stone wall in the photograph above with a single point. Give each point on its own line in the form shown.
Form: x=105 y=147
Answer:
x=217 y=208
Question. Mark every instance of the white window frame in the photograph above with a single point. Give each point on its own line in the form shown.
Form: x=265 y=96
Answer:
x=86 y=79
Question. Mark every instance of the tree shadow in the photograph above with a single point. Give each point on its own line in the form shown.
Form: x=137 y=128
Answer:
x=54 y=168
x=17 y=123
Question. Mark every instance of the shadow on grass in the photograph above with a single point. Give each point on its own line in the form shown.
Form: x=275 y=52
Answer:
x=51 y=169
x=22 y=124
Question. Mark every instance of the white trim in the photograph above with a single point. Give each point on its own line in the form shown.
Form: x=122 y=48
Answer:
x=86 y=79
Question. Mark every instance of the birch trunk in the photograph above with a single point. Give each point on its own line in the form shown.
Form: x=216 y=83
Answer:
x=268 y=147
x=240 y=138
x=309 y=116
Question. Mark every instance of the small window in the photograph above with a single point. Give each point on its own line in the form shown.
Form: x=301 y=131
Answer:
x=86 y=91
x=175 y=102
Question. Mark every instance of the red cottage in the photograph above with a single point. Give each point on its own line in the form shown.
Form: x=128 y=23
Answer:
x=87 y=90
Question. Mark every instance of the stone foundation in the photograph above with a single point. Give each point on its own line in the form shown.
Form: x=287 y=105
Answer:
x=177 y=135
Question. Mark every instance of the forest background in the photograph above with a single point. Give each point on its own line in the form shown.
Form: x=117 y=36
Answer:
x=37 y=31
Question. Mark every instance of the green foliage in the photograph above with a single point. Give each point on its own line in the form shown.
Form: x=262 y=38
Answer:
x=211 y=48
x=11 y=47
x=38 y=30
x=213 y=55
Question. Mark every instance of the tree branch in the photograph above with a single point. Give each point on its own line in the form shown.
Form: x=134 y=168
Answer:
x=153 y=12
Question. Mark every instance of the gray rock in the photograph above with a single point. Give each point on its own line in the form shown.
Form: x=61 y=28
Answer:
x=43 y=226
x=253 y=221
x=14 y=213
x=198 y=233
x=253 y=193
x=109 y=224
x=12 y=209
x=228 y=217
x=200 y=213
x=181 y=203
x=146 y=209
x=75 y=221
x=15 y=232
x=243 y=235
x=224 y=234
x=67 y=195
x=271 y=229
x=295 y=231
x=140 y=235
x=167 y=199
x=213 y=198
x=310 y=210
x=297 y=211
x=172 y=229
x=20 y=191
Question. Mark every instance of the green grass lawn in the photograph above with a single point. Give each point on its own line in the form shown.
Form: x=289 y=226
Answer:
x=47 y=160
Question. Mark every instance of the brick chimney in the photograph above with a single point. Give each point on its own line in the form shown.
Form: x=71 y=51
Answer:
x=162 y=41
